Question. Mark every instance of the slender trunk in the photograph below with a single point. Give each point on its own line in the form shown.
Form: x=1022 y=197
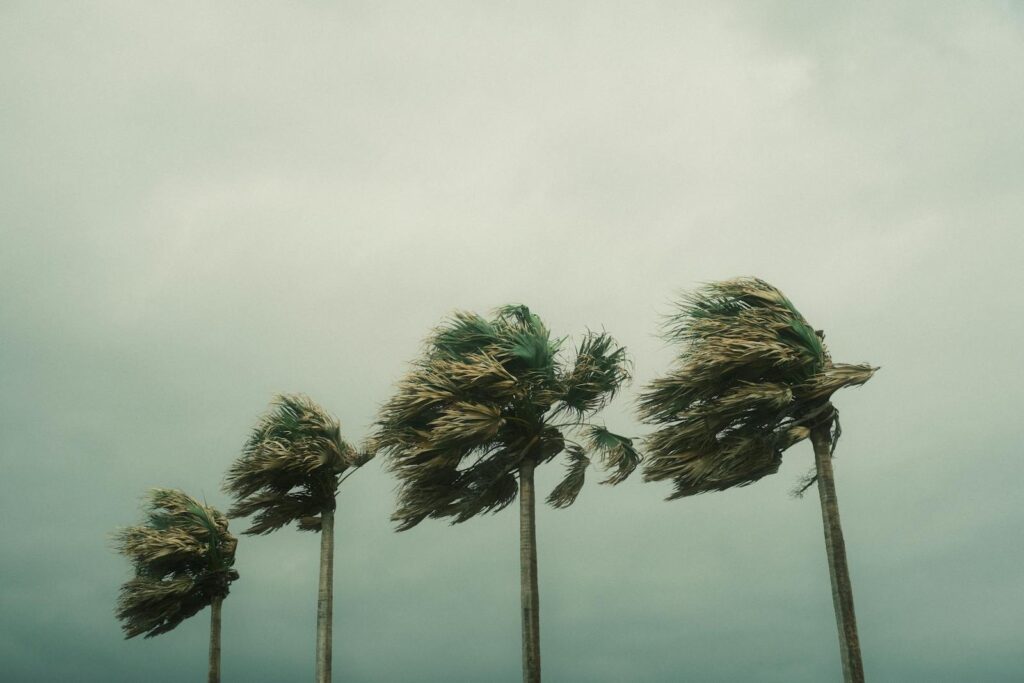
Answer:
x=214 y=676
x=325 y=598
x=842 y=591
x=528 y=573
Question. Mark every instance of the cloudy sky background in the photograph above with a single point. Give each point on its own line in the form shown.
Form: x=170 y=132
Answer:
x=202 y=204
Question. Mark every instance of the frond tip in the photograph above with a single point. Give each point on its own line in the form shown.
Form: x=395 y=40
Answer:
x=182 y=556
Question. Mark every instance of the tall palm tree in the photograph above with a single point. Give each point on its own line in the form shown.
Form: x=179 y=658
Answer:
x=752 y=379
x=183 y=556
x=486 y=403
x=289 y=471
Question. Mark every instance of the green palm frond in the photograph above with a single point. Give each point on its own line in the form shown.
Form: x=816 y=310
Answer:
x=569 y=488
x=601 y=368
x=525 y=342
x=617 y=452
x=464 y=335
x=182 y=557
x=290 y=466
x=480 y=399
x=751 y=376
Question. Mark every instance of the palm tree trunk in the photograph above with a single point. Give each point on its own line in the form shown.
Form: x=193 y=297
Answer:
x=325 y=598
x=214 y=676
x=842 y=590
x=528 y=573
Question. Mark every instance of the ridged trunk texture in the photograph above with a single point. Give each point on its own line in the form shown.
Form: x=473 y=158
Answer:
x=214 y=676
x=325 y=599
x=842 y=590
x=528 y=573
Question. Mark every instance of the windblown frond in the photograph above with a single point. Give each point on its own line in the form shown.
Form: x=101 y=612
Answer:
x=290 y=466
x=820 y=387
x=601 y=368
x=751 y=377
x=616 y=452
x=480 y=400
x=182 y=556
x=464 y=423
x=565 y=493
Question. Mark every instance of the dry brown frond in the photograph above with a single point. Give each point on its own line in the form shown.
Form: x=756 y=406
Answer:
x=569 y=488
x=821 y=386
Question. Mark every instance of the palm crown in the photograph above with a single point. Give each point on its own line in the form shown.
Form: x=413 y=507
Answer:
x=183 y=556
x=752 y=379
x=290 y=467
x=488 y=394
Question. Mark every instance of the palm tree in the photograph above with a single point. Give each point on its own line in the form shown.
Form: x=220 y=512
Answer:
x=752 y=379
x=486 y=403
x=183 y=556
x=289 y=471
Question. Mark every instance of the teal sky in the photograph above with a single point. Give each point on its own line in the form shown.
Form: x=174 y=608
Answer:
x=202 y=204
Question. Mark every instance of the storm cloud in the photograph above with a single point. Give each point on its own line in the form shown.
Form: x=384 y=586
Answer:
x=202 y=204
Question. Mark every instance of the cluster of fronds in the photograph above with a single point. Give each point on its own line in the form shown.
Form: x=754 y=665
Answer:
x=290 y=467
x=751 y=380
x=483 y=397
x=182 y=555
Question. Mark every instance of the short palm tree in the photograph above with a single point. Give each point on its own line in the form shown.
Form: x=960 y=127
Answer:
x=752 y=379
x=289 y=471
x=486 y=403
x=183 y=556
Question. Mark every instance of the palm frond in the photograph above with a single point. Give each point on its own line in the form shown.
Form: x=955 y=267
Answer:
x=738 y=461
x=564 y=495
x=524 y=342
x=488 y=485
x=358 y=457
x=273 y=510
x=821 y=386
x=463 y=335
x=617 y=452
x=466 y=424
x=600 y=370
x=154 y=606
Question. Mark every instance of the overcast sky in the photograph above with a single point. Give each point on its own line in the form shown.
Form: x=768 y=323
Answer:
x=202 y=204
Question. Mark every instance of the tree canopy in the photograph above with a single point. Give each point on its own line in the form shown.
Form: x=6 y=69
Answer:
x=484 y=395
x=182 y=556
x=751 y=379
x=290 y=467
